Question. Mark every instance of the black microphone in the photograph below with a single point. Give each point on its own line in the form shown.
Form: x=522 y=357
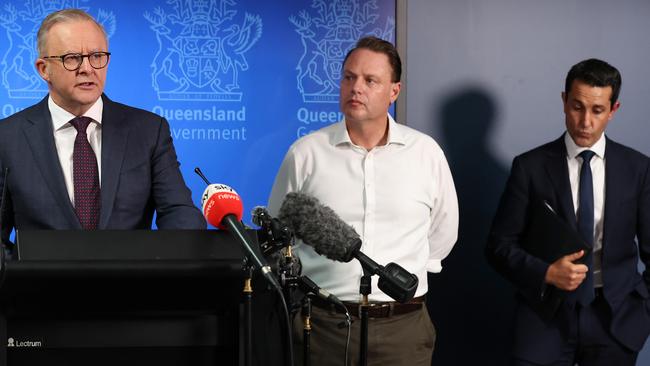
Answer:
x=273 y=234
x=321 y=228
x=307 y=285
x=282 y=234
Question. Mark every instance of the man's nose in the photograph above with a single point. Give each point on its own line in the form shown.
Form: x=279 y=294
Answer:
x=85 y=65
x=585 y=119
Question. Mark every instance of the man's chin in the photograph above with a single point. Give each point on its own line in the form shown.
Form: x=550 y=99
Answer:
x=87 y=98
x=584 y=141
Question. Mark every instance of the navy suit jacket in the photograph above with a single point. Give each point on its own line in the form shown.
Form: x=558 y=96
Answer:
x=542 y=173
x=139 y=173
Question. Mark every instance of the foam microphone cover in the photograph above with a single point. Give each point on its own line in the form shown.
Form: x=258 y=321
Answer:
x=219 y=200
x=260 y=216
x=319 y=227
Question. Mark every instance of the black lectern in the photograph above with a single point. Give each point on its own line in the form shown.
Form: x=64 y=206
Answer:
x=122 y=298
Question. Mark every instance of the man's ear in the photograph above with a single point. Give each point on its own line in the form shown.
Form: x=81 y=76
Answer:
x=42 y=69
x=615 y=108
x=394 y=92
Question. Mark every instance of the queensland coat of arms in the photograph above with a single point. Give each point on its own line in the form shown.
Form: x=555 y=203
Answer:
x=19 y=76
x=201 y=49
x=328 y=31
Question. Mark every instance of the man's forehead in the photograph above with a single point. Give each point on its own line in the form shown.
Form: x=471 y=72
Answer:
x=581 y=90
x=367 y=61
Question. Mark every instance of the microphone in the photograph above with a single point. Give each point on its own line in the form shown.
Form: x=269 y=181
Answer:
x=261 y=216
x=277 y=232
x=273 y=234
x=321 y=228
x=307 y=285
x=223 y=208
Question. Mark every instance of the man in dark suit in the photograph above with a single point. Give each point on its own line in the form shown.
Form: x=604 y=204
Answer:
x=77 y=160
x=588 y=307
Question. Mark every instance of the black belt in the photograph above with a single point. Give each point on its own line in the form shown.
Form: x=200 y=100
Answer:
x=377 y=309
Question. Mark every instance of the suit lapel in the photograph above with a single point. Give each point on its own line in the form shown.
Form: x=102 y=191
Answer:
x=115 y=130
x=558 y=173
x=40 y=138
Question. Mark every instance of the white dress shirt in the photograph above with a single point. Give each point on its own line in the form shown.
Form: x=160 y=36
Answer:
x=65 y=134
x=597 y=165
x=399 y=197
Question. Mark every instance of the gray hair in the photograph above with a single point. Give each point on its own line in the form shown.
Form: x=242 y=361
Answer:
x=63 y=16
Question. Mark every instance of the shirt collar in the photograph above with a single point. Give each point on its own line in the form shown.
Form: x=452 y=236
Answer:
x=395 y=133
x=574 y=150
x=60 y=117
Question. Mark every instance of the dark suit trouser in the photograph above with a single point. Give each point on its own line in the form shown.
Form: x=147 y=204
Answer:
x=405 y=339
x=590 y=342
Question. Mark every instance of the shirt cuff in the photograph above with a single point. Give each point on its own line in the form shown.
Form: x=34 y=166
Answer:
x=434 y=266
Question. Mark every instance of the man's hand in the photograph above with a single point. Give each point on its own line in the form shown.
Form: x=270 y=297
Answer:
x=566 y=275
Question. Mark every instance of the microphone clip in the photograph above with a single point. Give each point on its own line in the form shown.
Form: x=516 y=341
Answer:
x=272 y=235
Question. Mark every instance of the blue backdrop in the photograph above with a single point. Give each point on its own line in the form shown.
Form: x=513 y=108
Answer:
x=238 y=80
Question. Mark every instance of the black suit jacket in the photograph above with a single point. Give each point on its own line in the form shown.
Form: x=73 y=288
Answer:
x=542 y=173
x=139 y=173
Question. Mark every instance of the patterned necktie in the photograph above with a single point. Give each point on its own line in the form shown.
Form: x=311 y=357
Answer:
x=586 y=225
x=85 y=177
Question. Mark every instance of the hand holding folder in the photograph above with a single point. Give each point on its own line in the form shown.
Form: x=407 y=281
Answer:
x=549 y=237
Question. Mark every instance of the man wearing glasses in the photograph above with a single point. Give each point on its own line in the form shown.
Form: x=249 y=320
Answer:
x=77 y=160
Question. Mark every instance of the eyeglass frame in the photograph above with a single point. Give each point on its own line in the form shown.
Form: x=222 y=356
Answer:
x=62 y=58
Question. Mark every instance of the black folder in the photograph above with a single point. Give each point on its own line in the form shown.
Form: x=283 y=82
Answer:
x=549 y=237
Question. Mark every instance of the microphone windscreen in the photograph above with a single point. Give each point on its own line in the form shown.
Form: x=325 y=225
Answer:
x=319 y=227
x=219 y=200
x=260 y=215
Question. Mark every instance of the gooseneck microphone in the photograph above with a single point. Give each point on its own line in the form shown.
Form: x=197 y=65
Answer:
x=223 y=208
x=321 y=228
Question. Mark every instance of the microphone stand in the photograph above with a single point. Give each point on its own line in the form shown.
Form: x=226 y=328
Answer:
x=290 y=281
x=306 y=333
x=248 y=313
x=365 y=289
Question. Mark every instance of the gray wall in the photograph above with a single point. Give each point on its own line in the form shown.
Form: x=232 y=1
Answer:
x=484 y=78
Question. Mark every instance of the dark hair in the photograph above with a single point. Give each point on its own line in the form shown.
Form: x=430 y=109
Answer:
x=595 y=72
x=379 y=45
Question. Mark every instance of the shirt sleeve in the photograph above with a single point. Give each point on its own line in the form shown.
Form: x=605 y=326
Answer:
x=286 y=181
x=443 y=232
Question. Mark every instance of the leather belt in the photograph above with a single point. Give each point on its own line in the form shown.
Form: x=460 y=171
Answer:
x=377 y=309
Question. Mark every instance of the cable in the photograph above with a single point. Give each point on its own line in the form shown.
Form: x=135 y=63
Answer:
x=348 y=324
x=348 y=321
x=289 y=348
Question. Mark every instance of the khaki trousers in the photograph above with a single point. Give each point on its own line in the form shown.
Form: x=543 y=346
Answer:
x=406 y=339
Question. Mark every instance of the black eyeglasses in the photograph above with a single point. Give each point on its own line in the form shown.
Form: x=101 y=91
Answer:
x=73 y=61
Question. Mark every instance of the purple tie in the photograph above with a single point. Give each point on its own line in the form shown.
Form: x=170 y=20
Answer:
x=85 y=177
